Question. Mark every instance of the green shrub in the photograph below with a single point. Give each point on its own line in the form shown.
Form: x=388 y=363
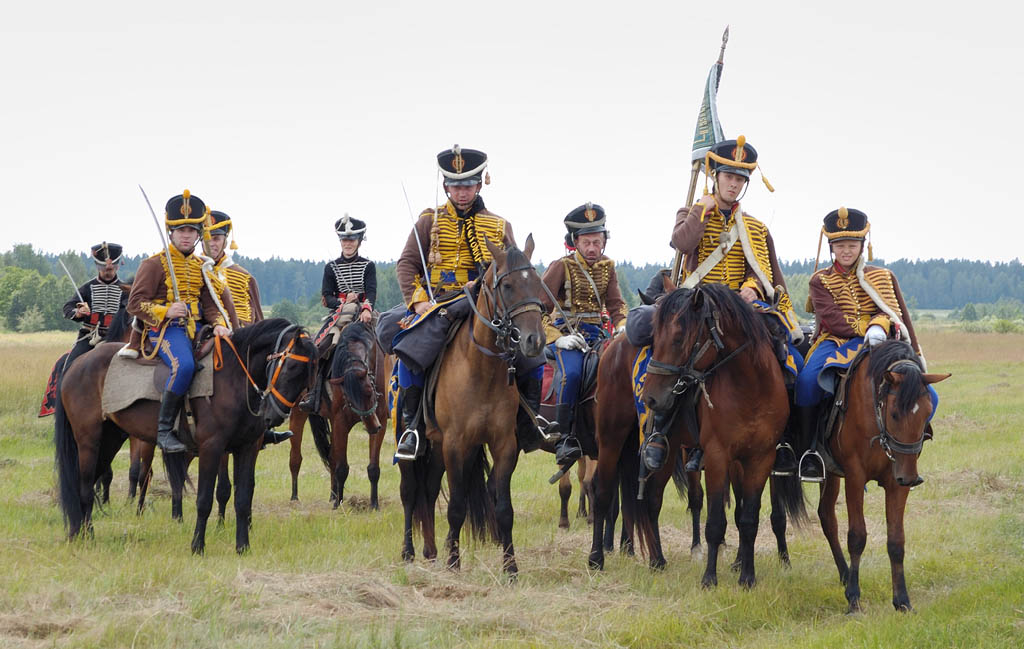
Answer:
x=31 y=320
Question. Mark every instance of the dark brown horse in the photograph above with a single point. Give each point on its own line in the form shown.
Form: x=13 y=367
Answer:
x=476 y=405
x=712 y=355
x=279 y=363
x=358 y=378
x=880 y=438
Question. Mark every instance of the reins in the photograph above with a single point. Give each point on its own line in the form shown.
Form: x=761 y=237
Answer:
x=884 y=438
x=276 y=358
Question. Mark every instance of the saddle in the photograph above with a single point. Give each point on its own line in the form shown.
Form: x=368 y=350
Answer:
x=831 y=417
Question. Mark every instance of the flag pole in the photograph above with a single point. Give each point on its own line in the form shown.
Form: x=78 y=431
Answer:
x=707 y=133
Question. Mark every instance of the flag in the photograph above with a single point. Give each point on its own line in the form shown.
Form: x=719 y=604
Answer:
x=709 y=131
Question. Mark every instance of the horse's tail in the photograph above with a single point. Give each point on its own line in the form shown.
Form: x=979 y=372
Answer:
x=629 y=481
x=321 y=429
x=679 y=476
x=791 y=494
x=66 y=461
x=483 y=524
x=177 y=471
x=420 y=472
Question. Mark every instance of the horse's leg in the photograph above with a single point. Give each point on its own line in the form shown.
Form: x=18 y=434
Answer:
x=586 y=477
x=339 y=458
x=603 y=484
x=695 y=503
x=210 y=456
x=435 y=473
x=407 y=489
x=856 y=537
x=737 y=512
x=654 y=499
x=296 y=424
x=715 y=475
x=245 y=485
x=754 y=478
x=457 y=463
x=778 y=518
x=223 y=489
x=88 y=457
x=103 y=485
x=373 y=468
x=111 y=442
x=830 y=524
x=564 y=494
x=611 y=517
x=895 y=505
x=146 y=451
x=134 y=468
x=501 y=476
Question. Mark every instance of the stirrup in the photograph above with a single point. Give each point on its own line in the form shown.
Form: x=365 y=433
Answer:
x=811 y=454
x=549 y=430
x=403 y=455
x=128 y=352
x=656 y=441
x=784 y=473
x=568 y=450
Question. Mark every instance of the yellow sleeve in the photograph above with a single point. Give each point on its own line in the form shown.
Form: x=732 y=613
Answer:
x=881 y=320
x=154 y=313
x=419 y=294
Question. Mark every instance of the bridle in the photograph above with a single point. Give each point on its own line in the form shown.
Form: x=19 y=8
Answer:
x=355 y=364
x=507 y=335
x=687 y=376
x=885 y=439
x=275 y=362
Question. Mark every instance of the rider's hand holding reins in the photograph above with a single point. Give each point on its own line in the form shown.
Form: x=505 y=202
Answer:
x=748 y=294
x=421 y=307
x=570 y=341
x=874 y=335
x=221 y=331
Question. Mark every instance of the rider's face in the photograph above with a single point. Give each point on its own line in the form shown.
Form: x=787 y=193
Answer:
x=462 y=196
x=729 y=186
x=349 y=247
x=847 y=251
x=184 y=239
x=590 y=246
x=107 y=272
x=217 y=245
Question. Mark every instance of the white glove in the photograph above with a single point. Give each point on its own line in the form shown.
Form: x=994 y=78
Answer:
x=874 y=335
x=572 y=341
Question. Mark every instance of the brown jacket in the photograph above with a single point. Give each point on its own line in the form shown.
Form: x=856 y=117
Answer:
x=150 y=296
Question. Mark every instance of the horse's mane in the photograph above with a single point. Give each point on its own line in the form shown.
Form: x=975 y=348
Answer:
x=343 y=356
x=262 y=333
x=887 y=353
x=734 y=313
x=516 y=258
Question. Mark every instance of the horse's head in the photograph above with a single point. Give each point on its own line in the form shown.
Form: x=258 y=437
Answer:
x=354 y=369
x=512 y=287
x=902 y=407
x=282 y=360
x=696 y=331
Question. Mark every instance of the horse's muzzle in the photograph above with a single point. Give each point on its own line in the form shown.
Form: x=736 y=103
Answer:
x=909 y=482
x=532 y=345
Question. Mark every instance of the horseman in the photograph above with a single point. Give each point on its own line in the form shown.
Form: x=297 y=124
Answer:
x=348 y=290
x=723 y=244
x=590 y=308
x=853 y=303
x=171 y=294
x=98 y=301
x=445 y=252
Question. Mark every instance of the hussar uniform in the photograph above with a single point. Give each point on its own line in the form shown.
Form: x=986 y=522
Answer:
x=590 y=307
x=245 y=292
x=206 y=299
x=105 y=300
x=851 y=306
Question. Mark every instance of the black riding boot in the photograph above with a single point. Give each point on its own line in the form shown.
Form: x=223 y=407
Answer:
x=274 y=437
x=693 y=459
x=655 y=446
x=170 y=406
x=567 y=448
x=785 y=456
x=409 y=445
x=812 y=467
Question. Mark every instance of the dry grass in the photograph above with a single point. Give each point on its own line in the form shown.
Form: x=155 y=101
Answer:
x=323 y=577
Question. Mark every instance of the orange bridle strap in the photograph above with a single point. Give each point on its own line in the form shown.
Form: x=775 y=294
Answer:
x=218 y=363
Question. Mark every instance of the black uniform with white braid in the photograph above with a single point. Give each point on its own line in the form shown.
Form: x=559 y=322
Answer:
x=354 y=275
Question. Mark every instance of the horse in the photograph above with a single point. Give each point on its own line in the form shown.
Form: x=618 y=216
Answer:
x=358 y=379
x=280 y=362
x=712 y=349
x=879 y=438
x=475 y=405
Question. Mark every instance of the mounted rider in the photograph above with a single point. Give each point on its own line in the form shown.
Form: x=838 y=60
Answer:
x=723 y=244
x=245 y=292
x=590 y=308
x=445 y=252
x=98 y=301
x=853 y=303
x=349 y=291
x=172 y=300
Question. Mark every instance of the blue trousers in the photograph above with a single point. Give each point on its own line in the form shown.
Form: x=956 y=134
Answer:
x=175 y=351
x=569 y=364
x=809 y=392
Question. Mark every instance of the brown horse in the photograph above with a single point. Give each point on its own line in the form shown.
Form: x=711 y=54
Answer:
x=880 y=438
x=476 y=405
x=358 y=379
x=279 y=364
x=713 y=355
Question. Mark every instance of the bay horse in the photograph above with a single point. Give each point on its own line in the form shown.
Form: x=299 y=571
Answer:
x=475 y=405
x=249 y=396
x=879 y=438
x=357 y=378
x=714 y=351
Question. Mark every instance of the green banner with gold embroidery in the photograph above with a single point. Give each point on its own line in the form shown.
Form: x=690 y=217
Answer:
x=709 y=130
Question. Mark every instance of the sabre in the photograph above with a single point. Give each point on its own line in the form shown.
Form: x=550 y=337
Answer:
x=72 y=280
x=167 y=246
x=419 y=246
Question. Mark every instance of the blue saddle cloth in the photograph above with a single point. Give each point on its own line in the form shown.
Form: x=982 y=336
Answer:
x=643 y=358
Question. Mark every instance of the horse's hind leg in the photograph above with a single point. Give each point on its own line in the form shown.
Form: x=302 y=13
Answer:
x=564 y=494
x=209 y=465
x=778 y=519
x=435 y=473
x=296 y=424
x=223 y=489
x=895 y=505
x=407 y=489
x=830 y=524
x=695 y=503
x=458 y=466
x=754 y=479
x=586 y=477
x=603 y=484
x=501 y=475
x=339 y=459
x=145 y=453
x=245 y=485
x=611 y=517
x=856 y=537
x=373 y=468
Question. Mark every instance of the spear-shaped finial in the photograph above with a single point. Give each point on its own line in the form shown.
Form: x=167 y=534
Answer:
x=725 y=40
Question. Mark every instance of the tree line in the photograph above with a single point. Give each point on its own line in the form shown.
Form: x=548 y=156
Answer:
x=33 y=287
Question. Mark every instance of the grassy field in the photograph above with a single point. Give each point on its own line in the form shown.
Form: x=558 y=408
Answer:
x=322 y=578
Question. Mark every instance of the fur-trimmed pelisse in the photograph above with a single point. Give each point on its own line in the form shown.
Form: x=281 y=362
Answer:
x=185 y=211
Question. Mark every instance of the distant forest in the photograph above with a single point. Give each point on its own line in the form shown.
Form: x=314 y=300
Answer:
x=31 y=278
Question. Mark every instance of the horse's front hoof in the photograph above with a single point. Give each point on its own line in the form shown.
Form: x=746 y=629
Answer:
x=563 y=523
x=242 y=549
x=748 y=581
x=709 y=582
x=902 y=604
x=696 y=551
x=658 y=563
x=784 y=559
x=854 y=607
x=198 y=549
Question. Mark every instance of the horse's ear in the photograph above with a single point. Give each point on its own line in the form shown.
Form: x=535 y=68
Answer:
x=894 y=378
x=697 y=299
x=497 y=252
x=666 y=281
x=644 y=298
x=528 y=248
x=934 y=378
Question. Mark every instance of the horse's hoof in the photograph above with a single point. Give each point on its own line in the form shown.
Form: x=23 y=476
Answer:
x=242 y=549
x=295 y=498
x=563 y=523
x=708 y=583
x=748 y=582
x=595 y=561
x=198 y=549
x=902 y=605
x=408 y=556
x=697 y=552
x=658 y=563
x=854 y=607
x=735 y=566
x=784 y=558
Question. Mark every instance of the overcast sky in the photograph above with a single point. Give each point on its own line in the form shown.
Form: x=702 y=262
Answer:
x=287 y=115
